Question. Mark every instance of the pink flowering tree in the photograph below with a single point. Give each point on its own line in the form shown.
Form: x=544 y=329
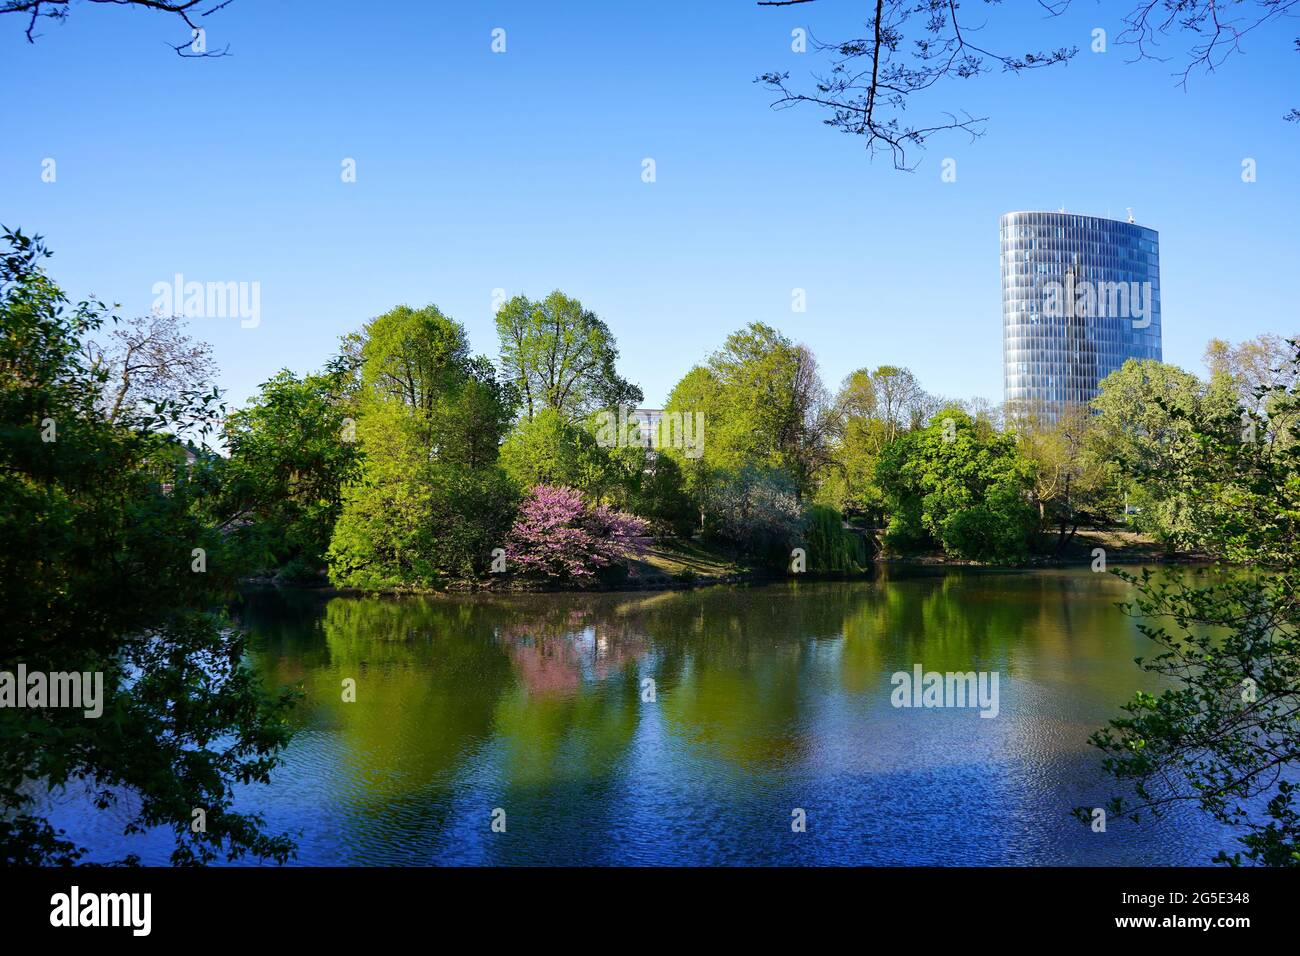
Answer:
x=559 y=535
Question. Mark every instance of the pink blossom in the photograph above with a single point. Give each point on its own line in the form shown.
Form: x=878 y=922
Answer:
x=558 y=535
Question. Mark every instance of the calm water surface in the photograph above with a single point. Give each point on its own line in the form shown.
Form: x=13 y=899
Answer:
x=767 y=699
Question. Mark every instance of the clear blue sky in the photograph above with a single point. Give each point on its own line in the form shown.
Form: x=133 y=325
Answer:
x=522 y=171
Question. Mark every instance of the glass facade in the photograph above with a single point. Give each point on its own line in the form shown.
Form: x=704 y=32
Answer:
x=1080 y=296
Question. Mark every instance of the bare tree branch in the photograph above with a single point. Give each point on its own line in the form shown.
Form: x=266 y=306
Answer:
x=146 y=360
x=186 y=10
x=911 y=46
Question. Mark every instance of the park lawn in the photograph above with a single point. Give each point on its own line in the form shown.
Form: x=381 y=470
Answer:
x=677 y=558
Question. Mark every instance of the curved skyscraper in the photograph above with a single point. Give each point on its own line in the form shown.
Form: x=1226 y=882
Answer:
x=1080 y=295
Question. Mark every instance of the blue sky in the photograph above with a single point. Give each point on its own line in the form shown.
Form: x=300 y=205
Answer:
x=522 y=171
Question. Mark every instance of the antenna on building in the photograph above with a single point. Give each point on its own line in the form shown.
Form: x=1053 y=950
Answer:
x=1130 y=214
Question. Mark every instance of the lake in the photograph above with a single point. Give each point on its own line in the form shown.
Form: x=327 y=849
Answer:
x=693 y=727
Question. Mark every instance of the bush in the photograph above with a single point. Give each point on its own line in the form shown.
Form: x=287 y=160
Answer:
x=559 y=536
x=298 y=572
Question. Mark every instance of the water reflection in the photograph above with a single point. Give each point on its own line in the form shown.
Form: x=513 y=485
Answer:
x=764 y=699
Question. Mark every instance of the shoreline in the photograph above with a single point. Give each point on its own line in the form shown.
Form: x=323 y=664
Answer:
x=757 y=577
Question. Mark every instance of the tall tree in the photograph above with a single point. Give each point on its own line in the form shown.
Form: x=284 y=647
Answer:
x=1142 y=412
x=413 y=356
x=1072 y=486
x=960 y=486
x=431 y=501
x=769 y=406
x=1259 y=369
x=561 y=355
x=292 y=449
x=900 y=400
x=858 y=434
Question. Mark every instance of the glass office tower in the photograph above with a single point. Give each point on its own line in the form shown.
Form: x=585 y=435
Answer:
x=1080 y=295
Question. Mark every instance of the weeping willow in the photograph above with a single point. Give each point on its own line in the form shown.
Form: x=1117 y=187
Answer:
x=830 y=547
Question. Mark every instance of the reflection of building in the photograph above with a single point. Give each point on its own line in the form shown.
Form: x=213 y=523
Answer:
x=1080 y=296
x=560 y=660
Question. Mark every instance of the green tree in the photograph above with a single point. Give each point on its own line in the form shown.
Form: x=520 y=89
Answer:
x=832 y=548
x=848 y=481
x=421 y=359
x=292 y=449
x=764 y=407
x=1143 y=411
x=409 y=526
x=1223 y=734
x=1258 y=369
x=961 y=486
x=700 y=392
x=1072 y=486
x=652 y=486
x=562 y=356
x=431 y=501
x=548 y=449
x=106 y=567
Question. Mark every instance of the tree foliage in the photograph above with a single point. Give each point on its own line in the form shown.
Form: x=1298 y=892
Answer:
x=98 y=574
x=764 y=408
x=431 y=501
x=547 y=449
x=1142 y=416
x=560 y=355
x=146 y=361
x=960 y=486
x=291 y=451
x=757 y=511
x=830 y=547
x=1072 y=485
x=1223 y=733
x=870 y=410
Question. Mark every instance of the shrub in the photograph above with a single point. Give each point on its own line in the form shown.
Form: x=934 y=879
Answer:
x=558 y=535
